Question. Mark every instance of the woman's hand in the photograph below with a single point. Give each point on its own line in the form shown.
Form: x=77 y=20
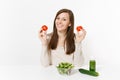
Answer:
x=43 y=36
x=80 y=35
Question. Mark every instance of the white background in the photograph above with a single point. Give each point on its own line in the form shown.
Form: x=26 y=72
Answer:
x=20 y=21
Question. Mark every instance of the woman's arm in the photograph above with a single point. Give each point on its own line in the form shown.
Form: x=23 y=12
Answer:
x=45 y=57
x=78 y=55
x=45 y=54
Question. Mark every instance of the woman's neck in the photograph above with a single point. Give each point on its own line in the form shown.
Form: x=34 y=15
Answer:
x=62 y=35
x=61 y=38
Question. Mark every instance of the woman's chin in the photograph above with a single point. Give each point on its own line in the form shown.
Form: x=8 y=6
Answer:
x=61 y=30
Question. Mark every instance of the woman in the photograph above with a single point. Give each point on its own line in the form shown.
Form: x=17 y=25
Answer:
x=62 y=45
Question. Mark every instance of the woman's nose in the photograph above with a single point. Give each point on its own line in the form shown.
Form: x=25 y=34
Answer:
x=59 y=21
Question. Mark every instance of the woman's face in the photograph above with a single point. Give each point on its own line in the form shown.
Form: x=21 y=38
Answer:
x=62 y=22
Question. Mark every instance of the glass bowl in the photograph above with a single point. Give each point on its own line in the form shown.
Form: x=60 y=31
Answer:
x=64 y=68
x=64 y=71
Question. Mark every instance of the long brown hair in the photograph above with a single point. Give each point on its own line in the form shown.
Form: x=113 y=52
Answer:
x=69 y=40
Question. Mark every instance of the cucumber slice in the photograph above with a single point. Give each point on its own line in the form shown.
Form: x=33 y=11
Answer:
x=92 y=73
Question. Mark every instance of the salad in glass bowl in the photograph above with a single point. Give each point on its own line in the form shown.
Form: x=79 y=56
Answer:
x=64 y=68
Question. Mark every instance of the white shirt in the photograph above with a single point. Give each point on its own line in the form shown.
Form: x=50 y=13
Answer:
x=59 y=55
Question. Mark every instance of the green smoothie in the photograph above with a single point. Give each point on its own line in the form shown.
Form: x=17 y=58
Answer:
x=92 y=65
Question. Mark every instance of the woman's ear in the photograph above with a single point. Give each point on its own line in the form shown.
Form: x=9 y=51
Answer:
x=70 y=24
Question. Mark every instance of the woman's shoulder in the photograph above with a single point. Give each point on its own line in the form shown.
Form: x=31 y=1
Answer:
x=75 y=36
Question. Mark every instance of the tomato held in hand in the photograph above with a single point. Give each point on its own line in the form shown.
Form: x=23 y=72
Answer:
x=44 y=27
x=79 y=28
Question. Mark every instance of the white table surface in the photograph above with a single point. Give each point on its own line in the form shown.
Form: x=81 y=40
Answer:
x=108 y=72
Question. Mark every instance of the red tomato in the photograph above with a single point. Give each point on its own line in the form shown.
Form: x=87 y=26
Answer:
x=79 y=28
x=44 y=27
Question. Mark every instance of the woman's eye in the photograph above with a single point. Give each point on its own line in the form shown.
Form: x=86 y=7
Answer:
x=64 y=19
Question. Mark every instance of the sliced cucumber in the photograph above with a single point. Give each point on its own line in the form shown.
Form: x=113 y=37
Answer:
x=92 y=73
